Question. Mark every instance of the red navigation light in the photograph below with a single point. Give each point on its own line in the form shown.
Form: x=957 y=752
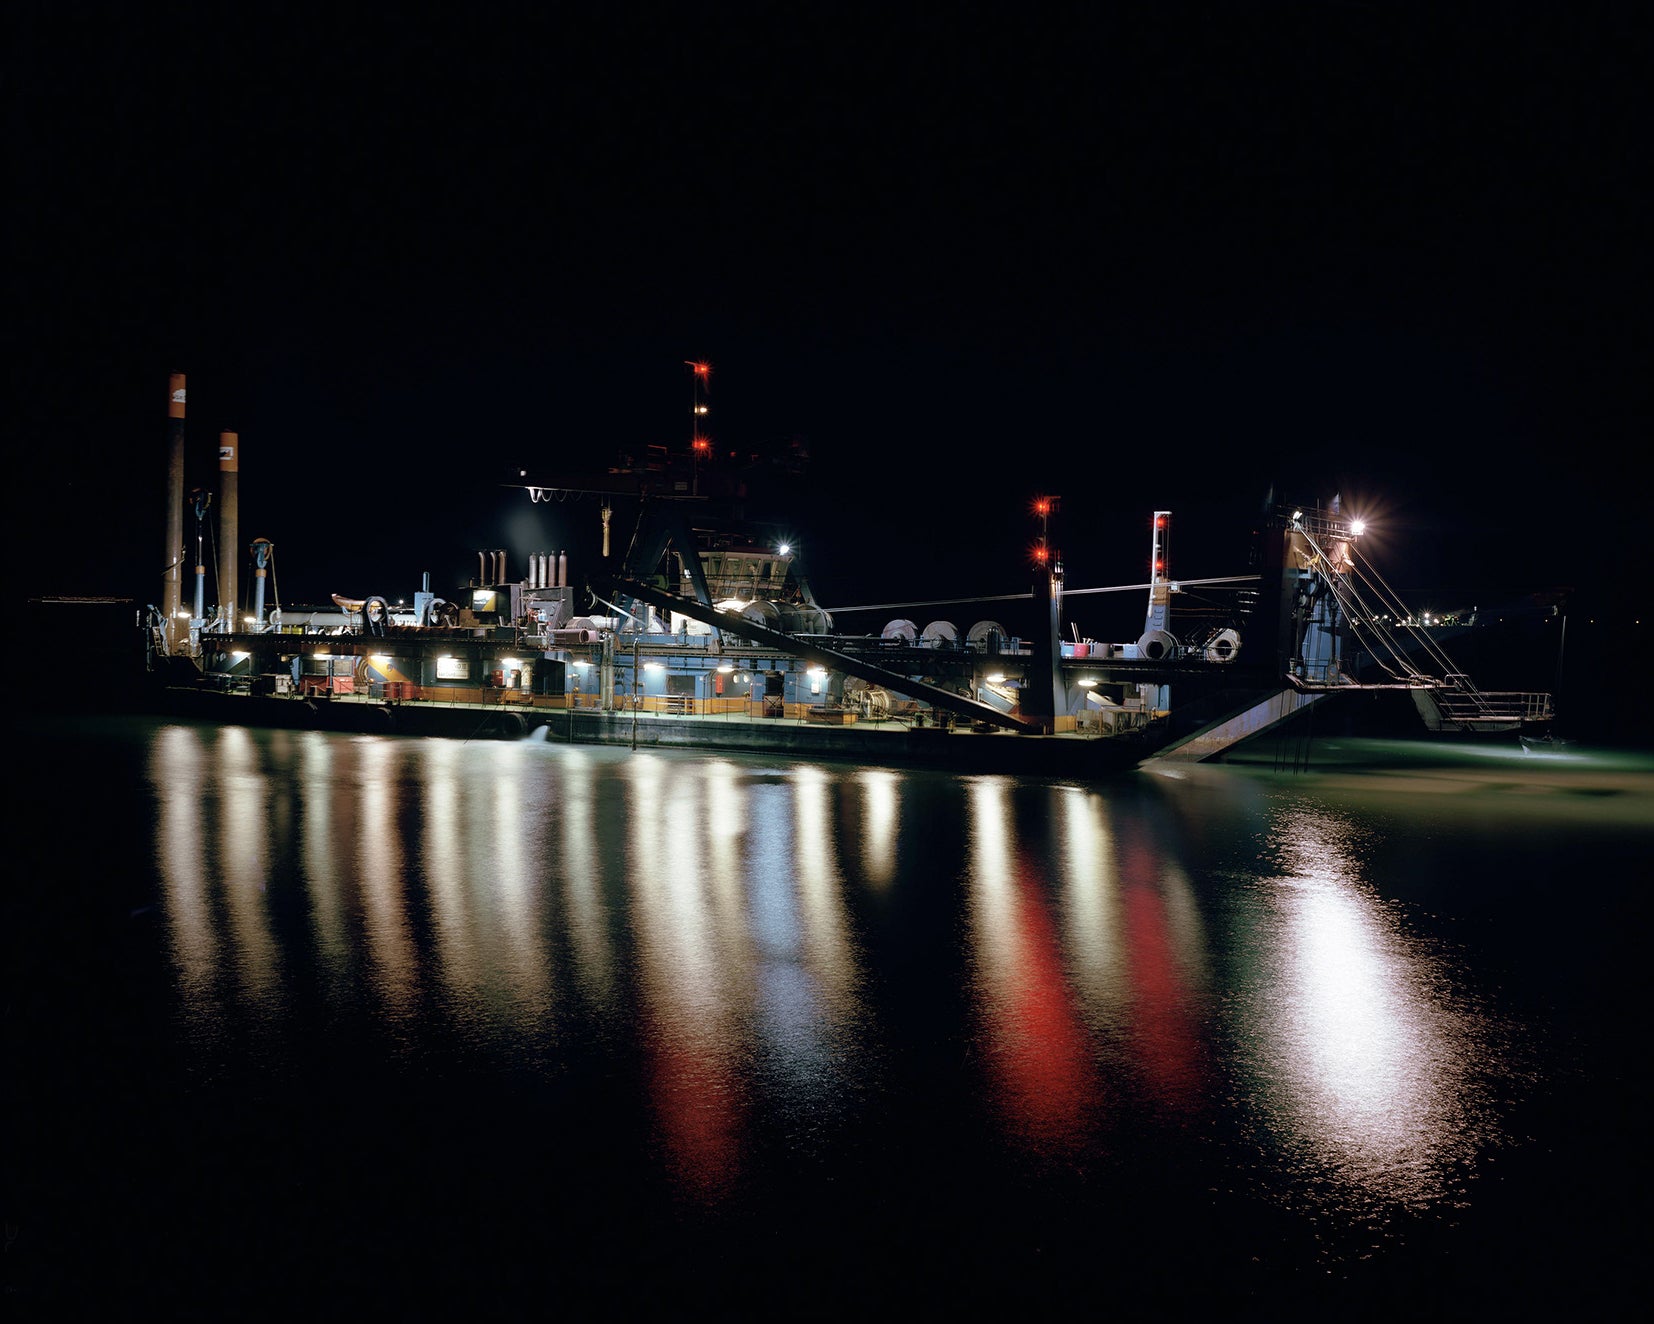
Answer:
x=1159 y=521
x=1041 y=554
x=701 y=369
x=702 y=445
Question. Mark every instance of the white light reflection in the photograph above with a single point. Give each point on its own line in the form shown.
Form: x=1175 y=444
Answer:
x=750 y=974
x=1363 y=1063
x=690 y=918
x=1137 y=951
x=726 y=835
x=176 y=773
x=380 y=874
x=1091 y=911
x=582 y=869
x=482 y=852
x=690 y=945
x=319 y=854
x=1035 y=1047
x=518 y=841
x=881 y=804
x=241 y=837
x=446 y=868
x=819 y=963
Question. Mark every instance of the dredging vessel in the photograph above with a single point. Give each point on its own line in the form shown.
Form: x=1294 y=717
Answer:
x=705 y=633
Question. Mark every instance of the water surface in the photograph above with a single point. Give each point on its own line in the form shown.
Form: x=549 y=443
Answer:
x=387 y=1023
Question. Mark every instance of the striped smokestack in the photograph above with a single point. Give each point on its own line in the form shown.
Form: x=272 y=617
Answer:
x=173 y=561
x=229 y=528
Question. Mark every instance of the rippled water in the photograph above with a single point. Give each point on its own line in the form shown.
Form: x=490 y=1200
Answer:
x=388 y=1023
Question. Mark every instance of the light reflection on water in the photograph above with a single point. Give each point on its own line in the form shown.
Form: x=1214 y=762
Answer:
x=321 y=819
x=377 y=864
x=1217 y=963
x=1042 y=1074
x=1363 y=1058
x=694 y=964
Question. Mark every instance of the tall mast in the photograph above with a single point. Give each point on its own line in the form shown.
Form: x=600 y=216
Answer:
x=700 y=446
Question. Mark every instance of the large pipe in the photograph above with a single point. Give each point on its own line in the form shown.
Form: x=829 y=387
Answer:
x=229 y=527
x=201 y=501
x=562 y=569
x=173 y=561
x=261 y=550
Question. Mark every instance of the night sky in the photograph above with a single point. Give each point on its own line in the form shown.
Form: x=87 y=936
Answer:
x=1138 y=256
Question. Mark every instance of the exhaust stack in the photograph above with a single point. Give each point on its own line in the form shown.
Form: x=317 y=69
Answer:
x=229 y=530
x=173 y=561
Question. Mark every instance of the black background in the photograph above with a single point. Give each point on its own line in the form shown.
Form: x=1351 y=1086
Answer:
x=1139 y=256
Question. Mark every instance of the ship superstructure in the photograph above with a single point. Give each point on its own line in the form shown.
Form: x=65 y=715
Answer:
x=696 y=625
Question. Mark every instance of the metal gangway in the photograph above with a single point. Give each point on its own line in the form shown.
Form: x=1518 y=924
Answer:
x=1363 y=605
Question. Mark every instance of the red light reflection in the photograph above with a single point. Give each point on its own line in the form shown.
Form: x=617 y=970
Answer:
x=1165 y=1039
x=1037 y=1048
